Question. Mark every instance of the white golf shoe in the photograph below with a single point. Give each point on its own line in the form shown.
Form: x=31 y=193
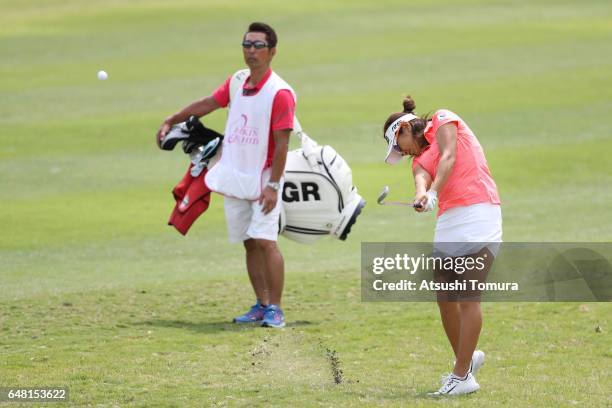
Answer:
x=477 y=361
x=454 y=385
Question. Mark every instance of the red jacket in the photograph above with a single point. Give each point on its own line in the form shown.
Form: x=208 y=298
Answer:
x=192 y=199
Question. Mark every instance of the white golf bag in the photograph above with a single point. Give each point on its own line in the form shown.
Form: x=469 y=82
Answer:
x=319 y=197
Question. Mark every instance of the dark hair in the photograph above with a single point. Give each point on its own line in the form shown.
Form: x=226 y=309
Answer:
x=417 y=125
x=257 y=27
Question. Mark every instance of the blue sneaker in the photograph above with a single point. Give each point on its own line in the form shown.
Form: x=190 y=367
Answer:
x=256 y=314
x=273 y=317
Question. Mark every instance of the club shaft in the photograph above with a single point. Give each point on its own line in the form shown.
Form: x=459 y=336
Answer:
x=401 y=203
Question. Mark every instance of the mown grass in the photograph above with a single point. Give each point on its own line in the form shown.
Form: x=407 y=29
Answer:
x=98 y=294
x=172 y=345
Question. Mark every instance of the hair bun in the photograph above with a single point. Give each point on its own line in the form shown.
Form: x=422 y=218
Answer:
x=409 y=104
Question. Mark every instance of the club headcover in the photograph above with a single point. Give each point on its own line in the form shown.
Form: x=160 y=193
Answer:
x=204 y=152
x=176 y=134
x=192 y=132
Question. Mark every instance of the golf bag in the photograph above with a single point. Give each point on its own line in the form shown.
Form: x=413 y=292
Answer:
x=319 y=197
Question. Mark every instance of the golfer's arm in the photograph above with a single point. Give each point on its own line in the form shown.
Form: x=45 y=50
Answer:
x=422 y=180
x=281 y=146
x=446 y=136
x=198 y=108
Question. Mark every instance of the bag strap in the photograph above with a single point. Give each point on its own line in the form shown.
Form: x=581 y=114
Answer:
x=237 y=82
x=310 y=148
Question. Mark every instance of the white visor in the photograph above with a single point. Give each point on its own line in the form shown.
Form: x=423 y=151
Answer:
x=393 y=156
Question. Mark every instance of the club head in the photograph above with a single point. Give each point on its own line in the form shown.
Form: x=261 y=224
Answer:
x=383 y=195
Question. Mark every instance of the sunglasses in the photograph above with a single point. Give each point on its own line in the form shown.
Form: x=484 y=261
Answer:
x=395 y=145
x=246 y=44
x=397 y=148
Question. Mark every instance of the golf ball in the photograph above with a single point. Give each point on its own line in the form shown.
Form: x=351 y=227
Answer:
x=102 y=75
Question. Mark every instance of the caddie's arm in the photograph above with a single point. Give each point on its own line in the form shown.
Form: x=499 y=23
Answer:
x=269 y=195
x=198 y=108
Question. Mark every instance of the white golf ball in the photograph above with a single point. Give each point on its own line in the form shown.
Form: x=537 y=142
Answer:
x=102 y=75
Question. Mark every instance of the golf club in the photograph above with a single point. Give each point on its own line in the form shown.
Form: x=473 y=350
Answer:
x=385 y=192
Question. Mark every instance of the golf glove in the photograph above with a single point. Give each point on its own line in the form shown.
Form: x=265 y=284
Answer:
x=432 y=200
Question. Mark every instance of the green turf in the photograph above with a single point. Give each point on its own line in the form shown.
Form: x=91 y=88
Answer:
x=98 y=294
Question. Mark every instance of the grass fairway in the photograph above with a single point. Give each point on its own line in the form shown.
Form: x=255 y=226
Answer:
x=97 y=294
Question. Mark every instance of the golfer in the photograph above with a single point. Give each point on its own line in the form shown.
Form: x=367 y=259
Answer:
x=450 y=169
x=249 y=172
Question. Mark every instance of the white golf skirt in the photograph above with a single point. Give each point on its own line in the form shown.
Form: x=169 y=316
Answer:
x=466 y=230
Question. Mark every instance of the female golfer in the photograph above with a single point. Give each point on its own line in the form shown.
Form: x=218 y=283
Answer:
x=450 y=169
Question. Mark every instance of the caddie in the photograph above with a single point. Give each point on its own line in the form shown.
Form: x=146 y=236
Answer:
x=250 y=169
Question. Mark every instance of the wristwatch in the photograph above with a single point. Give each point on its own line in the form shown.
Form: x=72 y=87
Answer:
x=274 y=185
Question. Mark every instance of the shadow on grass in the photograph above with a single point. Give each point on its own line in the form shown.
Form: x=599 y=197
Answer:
x=214 y=327
x=442 y=399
